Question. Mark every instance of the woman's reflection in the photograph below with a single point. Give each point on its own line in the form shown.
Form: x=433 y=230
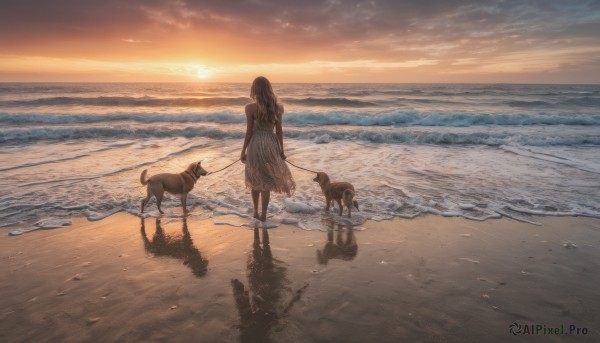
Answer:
x=260 y=306
x=179 y=246
x=342 y=249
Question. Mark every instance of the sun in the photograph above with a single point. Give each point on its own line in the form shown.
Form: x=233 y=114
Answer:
x=202 y=72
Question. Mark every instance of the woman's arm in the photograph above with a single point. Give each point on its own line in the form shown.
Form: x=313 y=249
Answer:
x=279 y=131
x=249 y=127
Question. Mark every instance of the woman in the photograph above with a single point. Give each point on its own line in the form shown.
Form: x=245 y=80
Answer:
x=262 y=152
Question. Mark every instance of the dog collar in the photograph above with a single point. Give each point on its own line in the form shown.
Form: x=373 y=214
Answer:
x=192 y=175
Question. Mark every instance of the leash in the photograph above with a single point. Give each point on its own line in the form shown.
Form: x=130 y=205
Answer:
x=234 y=162
x=308 y=170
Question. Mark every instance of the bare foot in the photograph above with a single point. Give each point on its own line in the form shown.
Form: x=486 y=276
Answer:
x=256 y=215
x=263 y=218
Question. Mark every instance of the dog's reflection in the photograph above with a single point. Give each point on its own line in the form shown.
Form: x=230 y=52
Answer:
x=179 y=246
x=344 y=249
x=260 y=306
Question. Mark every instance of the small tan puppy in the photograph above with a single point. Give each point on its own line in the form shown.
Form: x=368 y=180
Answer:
x=177 y=184
x=338 y=191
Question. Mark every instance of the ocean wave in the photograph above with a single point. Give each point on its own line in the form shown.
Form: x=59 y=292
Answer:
x=34 y=88
x=441 y=138
x=128 y=101
x=582 y=101
x=148 y=101
x=400 y=92
x=431 y=100
x=569 y=93
x=310 y=119
x=204 y=100
x=521 y=103
x=35 y=134
x=58 y=119
x=333 y=102
x=374 y=136
x=453 y=120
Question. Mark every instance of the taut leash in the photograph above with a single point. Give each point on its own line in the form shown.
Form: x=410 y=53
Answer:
x=308 y=170
x=234 y=162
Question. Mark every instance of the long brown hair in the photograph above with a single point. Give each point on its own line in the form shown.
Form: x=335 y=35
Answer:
x=266 y=101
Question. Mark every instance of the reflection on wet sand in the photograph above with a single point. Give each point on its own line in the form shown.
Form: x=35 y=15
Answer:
x=342 y=249
x=179 y=246
x=261 y=306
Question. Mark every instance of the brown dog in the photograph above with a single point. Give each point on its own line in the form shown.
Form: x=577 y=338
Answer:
x=337 y=191
x=178 y=184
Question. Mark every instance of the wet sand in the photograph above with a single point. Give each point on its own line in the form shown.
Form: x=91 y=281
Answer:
x=429 y=279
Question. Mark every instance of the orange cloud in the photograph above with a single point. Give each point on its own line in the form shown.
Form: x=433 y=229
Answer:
x=312 y=41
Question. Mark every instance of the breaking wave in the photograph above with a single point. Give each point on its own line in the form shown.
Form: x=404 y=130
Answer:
x=375 y=136
x=311 y=119
x=148 y=101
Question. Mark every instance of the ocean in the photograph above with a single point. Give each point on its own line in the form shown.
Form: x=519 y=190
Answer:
x=479 y=151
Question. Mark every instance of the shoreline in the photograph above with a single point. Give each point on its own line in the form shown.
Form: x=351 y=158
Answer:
x=430 y=278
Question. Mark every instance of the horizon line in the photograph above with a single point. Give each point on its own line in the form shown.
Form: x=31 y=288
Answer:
x=339 y=83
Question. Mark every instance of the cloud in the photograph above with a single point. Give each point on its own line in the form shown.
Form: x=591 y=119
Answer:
x=475 y=35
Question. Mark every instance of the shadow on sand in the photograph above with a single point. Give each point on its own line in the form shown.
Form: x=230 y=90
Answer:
x=261 y=305
x=343 y=249
x=178 y=246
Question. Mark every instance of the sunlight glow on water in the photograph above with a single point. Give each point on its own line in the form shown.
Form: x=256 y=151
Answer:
x=477 y=151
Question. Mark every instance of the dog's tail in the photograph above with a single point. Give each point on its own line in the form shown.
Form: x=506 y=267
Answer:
x=348 y=197
x=143 y=179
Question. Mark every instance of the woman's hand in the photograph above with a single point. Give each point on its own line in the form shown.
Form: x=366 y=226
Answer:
x=282 y=155
x=243 y=157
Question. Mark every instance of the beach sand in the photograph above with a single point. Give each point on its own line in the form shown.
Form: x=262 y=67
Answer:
x=429 y=279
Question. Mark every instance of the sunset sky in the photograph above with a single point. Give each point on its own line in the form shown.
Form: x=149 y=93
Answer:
x=542 y=41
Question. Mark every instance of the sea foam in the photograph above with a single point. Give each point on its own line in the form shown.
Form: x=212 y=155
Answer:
x=415 y=136
x=474 y=151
